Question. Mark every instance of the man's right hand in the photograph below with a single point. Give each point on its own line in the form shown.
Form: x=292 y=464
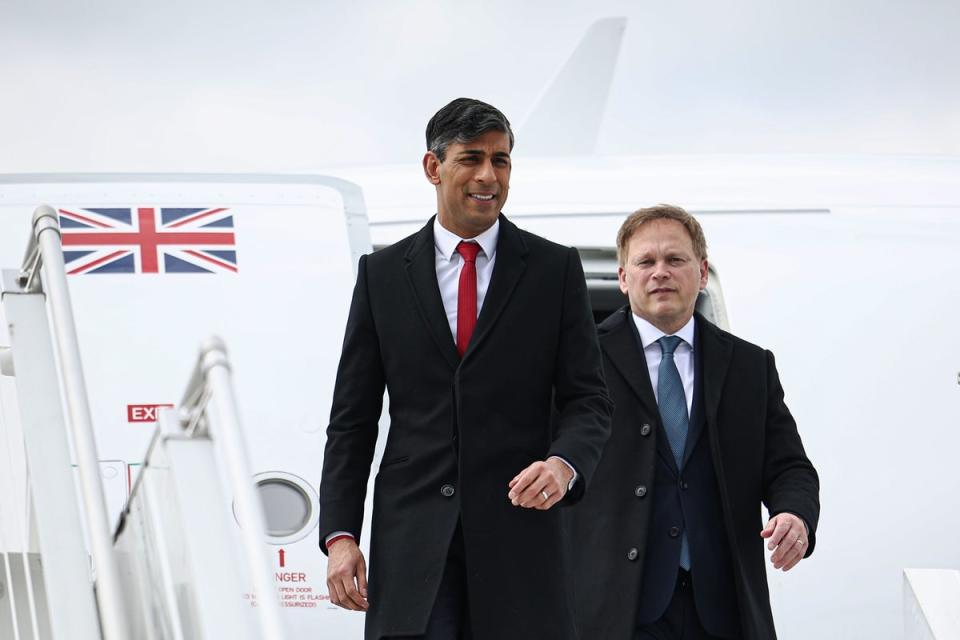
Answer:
x=347 y=575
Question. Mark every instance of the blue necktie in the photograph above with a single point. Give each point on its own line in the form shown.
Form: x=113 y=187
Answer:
x=672 y=402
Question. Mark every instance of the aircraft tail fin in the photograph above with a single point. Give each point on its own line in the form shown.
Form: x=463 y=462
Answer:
x=566 y=118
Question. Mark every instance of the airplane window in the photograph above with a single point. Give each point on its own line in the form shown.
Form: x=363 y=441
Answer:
x=284 y=506
x=290 y=506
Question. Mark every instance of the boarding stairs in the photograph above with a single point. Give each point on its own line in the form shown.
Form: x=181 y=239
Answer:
x=176 y=565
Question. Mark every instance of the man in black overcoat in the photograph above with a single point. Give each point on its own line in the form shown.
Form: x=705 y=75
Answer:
x=668 y=542
x=478 y=331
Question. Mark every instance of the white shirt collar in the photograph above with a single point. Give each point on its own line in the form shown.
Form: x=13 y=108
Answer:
x=446 y=241
x=650 y=334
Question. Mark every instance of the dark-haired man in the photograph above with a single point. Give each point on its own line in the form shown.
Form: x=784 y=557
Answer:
x=668 y=542
x=478 y=331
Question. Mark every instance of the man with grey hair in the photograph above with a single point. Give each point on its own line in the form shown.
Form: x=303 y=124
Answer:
x=479 y=331
x=668 y=542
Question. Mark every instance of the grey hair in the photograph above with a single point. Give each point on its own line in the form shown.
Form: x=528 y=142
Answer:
x=463 y=120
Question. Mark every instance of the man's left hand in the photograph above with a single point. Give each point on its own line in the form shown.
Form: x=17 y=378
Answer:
x=787 y=535
x=541 y=485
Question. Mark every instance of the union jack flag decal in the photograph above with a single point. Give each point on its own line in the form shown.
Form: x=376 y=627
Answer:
x=148 y=240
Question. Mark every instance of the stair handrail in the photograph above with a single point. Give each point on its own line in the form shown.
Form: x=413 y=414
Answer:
x=211 y=383
x=44 y=262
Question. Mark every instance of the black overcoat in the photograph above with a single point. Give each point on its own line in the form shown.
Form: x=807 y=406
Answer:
x=758 y=459
x=461 y=430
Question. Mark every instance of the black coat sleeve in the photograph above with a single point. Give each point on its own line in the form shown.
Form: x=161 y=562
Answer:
x=790 y=483
x=354 y=418
x=583 y=409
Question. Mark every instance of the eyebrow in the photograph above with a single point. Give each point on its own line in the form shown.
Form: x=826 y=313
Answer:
x=479 y=152
x=669 y=252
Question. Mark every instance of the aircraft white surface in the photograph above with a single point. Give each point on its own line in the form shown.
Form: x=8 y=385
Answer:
x=156 y=264
x=843 y=266
x=846 y=269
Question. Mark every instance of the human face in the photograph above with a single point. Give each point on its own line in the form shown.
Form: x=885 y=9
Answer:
x=662 y=275
x=472 y=182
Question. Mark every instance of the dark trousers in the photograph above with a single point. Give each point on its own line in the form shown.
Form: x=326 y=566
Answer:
x=450 y=616
x=680 y=621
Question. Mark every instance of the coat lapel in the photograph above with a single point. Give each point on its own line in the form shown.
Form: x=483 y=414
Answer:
x=697 y=413
x=510 y=265
x=717 y=351
x=622 y=349
x=421 y=268
x=621 y=344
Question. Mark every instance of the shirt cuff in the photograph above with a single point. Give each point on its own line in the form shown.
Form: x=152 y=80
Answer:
x=337 y=534
x=570 y=466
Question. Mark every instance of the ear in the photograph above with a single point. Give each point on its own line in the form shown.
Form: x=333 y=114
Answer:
x=622 y=277
x=704 y=272
x=431 y=167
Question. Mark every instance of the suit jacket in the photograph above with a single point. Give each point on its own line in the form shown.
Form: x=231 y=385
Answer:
x=756 y=454
x=460 y=430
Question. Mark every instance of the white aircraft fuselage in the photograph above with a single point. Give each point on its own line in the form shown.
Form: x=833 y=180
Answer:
x=844 y=267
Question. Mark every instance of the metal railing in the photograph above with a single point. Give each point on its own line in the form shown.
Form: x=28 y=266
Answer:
x=210 y=388
x=42 y=498
x=44 y=261
x=141 y=588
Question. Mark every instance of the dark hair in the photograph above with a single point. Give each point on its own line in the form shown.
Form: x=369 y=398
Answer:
x=463 y=120
x=660 y=212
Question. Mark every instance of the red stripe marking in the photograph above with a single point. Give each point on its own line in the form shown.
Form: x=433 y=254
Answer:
x=196 y=217
x=85 y=219
x=148 y=241
x=225 y=265
x=81 y=239
x=97 y=262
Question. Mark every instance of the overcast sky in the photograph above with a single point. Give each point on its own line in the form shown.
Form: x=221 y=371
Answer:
x=131 y=85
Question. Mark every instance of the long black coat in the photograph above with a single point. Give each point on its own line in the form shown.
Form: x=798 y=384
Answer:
x=469 y=426
x=757 y=455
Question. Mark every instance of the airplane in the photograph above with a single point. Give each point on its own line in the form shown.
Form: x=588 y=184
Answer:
x=845 y=269
x=842 y=266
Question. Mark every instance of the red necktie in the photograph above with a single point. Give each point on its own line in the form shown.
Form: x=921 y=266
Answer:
x=467 y=295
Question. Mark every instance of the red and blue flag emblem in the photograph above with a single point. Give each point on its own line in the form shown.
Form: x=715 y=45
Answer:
x=148 y=240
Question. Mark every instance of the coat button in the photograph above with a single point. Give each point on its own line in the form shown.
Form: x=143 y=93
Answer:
x=684 y=485
x=640 y=491
x=674 y=532
x=645 y=430
x=633 y=554
x=447 y=490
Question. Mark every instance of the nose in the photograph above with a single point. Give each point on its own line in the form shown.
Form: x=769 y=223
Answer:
x=661 y=272
x=485 y=172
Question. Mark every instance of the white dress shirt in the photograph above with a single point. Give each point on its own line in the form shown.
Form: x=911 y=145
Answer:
x=682 y=356
x=449 y=263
